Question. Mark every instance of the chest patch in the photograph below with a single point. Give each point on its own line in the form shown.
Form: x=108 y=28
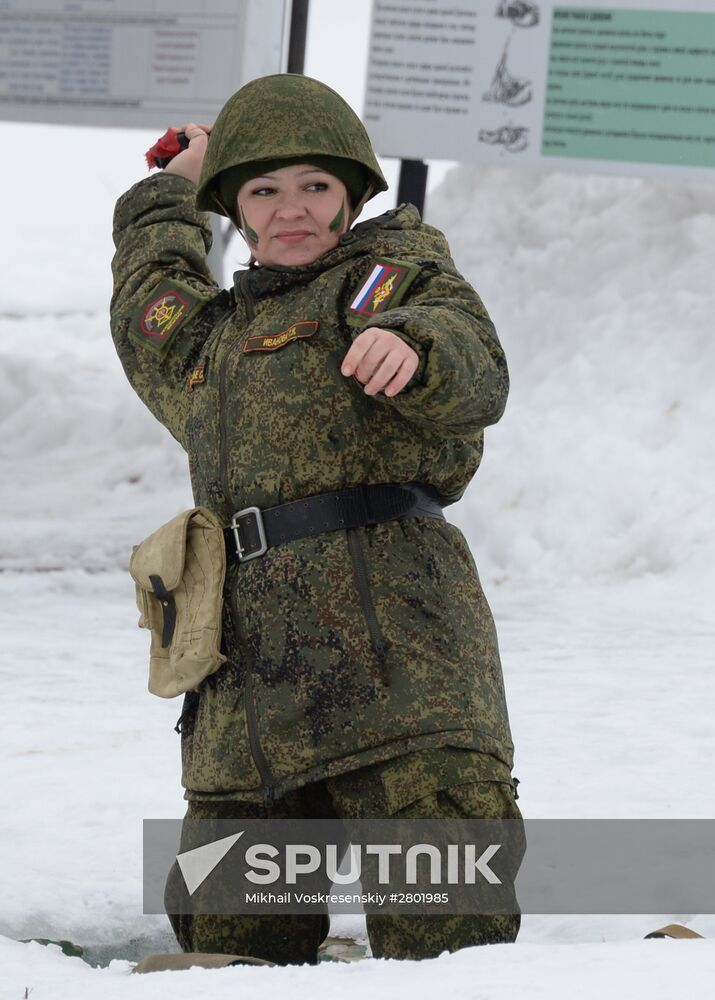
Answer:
x=272 y=341
x=163 y=314
x=196 y=377
x=385 y=285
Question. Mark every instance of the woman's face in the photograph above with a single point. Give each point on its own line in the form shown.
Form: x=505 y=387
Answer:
x=293 y=215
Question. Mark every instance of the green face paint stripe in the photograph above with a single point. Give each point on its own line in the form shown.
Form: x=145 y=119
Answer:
x=338 y=220
x=251 y=234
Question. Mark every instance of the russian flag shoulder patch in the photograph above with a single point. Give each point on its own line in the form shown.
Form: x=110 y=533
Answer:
x=384 y=287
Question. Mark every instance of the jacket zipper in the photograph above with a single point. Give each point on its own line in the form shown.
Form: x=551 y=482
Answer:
x=379 y=643
x=259 y=757
x=223 y=433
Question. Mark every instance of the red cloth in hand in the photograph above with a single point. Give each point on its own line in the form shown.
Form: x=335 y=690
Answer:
x=166 y=148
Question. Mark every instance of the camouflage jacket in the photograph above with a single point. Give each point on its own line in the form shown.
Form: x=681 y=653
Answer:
x=356 y=646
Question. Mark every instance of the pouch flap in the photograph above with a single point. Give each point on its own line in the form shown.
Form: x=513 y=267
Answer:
x=205 y=518
x=163 y=553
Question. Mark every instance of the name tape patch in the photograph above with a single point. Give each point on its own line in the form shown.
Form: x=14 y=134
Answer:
x=384 y=287
x=163 y=314
x=272 y=341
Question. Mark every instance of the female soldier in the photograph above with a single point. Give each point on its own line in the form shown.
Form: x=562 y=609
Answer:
x=331 y=403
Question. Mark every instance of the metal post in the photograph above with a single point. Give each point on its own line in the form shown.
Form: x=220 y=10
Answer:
x=298 y=33
x=412 y=185
x=221 y=231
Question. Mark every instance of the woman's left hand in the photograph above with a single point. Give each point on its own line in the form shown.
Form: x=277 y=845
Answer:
x=381 y=361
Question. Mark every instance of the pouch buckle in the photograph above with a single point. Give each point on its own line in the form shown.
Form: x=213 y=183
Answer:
x=245 y=553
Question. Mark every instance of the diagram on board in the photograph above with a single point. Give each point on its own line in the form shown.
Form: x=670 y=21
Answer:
x=521 y=13
x=514 y=91
x=514 y=138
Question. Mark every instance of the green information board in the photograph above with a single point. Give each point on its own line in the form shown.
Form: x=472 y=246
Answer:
x=631 y=85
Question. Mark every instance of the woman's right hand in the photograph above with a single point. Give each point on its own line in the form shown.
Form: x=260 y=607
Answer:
x=188 y=162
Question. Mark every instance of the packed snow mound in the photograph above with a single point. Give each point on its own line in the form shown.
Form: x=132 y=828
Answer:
x=599 y=287
x=87 y=466
x=601 y=291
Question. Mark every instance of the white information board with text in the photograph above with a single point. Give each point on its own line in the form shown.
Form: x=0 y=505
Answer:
x=620 y=87
x=139 y=63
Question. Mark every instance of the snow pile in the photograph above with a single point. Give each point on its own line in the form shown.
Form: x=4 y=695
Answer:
x=601 y=289
x=87 y=468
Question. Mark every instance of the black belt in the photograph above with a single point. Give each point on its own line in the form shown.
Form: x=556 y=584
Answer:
x=253 y=531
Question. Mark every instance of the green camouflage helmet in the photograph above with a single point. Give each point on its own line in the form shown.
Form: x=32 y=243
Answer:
x=290 y=117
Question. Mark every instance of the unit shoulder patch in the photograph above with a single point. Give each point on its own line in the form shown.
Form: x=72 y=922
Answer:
x=383 y=288
x=163 y=313
x=272 y=341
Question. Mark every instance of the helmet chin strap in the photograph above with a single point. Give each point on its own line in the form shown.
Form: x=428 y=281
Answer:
x=367 y=194
x=219 y=203
x=250 y=233
x=239 y=223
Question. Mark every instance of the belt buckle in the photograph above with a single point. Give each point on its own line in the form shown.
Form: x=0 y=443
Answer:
x=243 y=554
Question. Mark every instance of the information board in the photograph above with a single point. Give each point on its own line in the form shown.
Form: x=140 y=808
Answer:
x=138 y=63
x=620 y=88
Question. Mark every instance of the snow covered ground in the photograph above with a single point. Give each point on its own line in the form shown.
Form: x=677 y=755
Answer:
x=635 y=970
x=590 y=520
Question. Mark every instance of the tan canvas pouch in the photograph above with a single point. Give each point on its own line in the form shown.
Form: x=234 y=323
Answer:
x=179 y=573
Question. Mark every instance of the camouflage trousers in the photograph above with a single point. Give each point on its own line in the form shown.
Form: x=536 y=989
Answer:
x=430 y=784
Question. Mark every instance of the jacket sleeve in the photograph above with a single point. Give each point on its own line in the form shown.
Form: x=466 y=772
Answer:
x=165 y=301
x=462 y=381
